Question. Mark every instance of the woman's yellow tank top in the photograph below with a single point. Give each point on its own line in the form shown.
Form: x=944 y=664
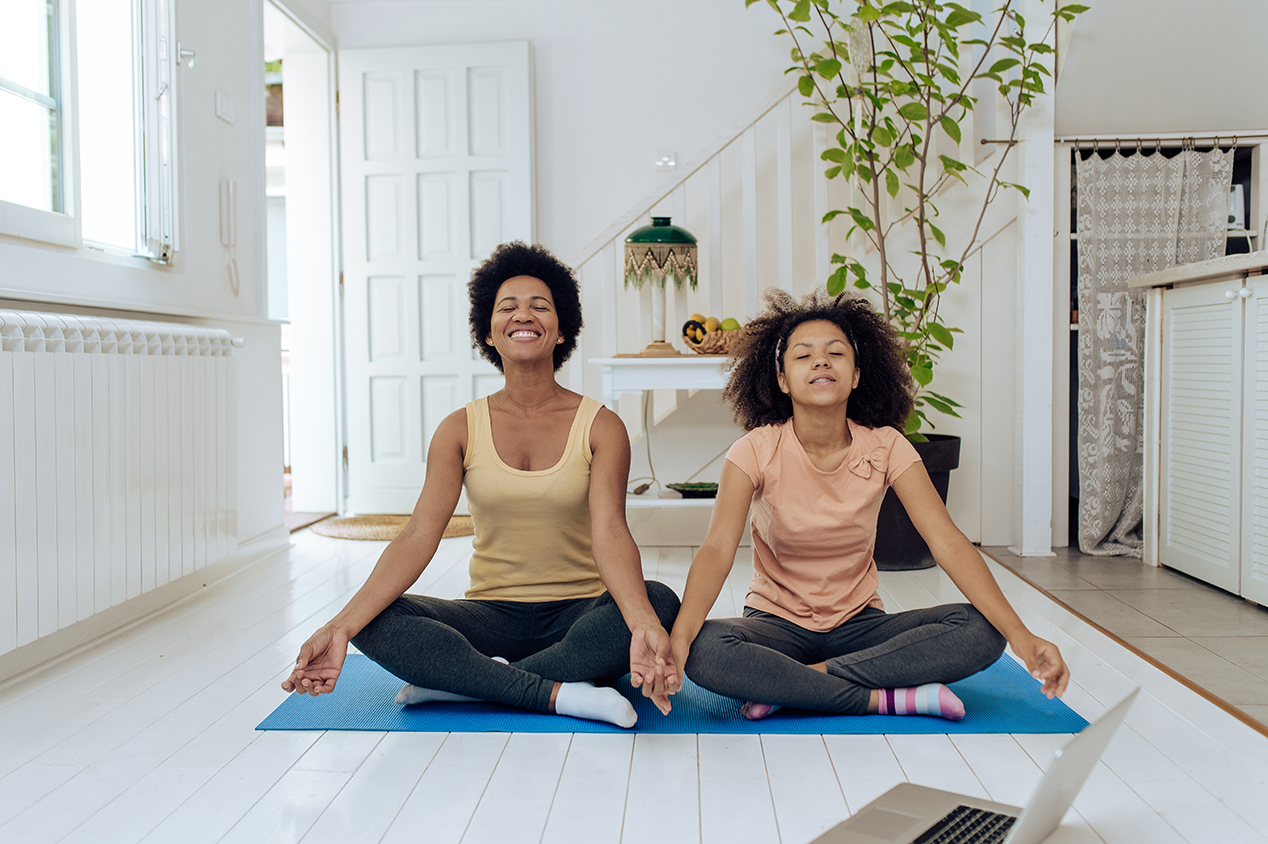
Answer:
x=532 y=529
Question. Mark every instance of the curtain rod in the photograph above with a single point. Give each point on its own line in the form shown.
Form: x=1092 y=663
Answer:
x=1168 y=139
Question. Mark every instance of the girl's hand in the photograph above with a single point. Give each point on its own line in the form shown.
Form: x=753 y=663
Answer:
x=1044 y=662
x=680 y=650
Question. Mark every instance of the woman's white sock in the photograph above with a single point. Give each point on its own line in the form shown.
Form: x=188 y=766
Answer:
x=596 y=703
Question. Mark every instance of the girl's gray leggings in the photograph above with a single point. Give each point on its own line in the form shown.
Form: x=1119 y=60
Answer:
x=449 y=645
x=764 y=658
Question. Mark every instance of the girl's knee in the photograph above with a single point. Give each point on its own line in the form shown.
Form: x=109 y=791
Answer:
x=992 y=641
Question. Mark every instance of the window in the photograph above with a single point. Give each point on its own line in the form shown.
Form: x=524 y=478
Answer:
x=90 y=163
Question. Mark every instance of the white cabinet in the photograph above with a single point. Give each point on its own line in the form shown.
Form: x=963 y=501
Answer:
x=1206 y=467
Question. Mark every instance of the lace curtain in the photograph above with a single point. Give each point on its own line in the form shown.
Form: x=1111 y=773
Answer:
x=1136 y=214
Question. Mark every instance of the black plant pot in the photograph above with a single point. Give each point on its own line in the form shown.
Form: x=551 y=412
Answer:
x=899 y=546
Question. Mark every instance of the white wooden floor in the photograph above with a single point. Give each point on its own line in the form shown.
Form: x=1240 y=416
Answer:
x=149 y=736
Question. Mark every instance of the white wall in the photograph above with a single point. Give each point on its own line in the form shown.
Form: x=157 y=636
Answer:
x=1149 y=66
x=614 y=83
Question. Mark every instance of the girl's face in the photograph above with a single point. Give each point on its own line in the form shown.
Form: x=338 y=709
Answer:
x=524 y=325
x=819 y=368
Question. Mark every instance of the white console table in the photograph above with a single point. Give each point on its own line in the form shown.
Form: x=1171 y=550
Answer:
x=641 y=375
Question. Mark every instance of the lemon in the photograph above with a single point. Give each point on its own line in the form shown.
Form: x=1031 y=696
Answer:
x=711 y=324
x=730 y=324
x=698 y=318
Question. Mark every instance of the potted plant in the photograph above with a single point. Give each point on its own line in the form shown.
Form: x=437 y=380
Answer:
x=896 y=81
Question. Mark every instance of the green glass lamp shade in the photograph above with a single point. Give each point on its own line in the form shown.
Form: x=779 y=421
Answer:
x=658 y=252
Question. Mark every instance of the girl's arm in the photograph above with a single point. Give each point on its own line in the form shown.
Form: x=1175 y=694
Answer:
x=714 y=558
x=963 y=563
x=321 y=657
x=619 y=564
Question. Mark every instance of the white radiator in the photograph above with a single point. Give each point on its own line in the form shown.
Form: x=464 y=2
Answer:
x=117 y=463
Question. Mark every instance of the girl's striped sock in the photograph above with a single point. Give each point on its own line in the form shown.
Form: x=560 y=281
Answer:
x=929 y=699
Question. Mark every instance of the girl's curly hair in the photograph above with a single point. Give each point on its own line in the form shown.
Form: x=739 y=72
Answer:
x=884 y=395
x=518 y=258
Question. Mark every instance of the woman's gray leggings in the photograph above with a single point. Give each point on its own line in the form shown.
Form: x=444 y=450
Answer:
x=764 y=658
x=448 y=645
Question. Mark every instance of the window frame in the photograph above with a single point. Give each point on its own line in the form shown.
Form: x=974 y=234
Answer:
x=58 y=227
x=155 y=97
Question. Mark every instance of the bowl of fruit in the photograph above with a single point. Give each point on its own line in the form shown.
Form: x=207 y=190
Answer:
x=710 y=335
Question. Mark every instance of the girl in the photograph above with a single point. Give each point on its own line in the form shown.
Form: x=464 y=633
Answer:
x=823 y=391
x=556 y=581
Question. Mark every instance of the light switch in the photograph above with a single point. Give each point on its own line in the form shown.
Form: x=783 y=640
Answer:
x=224 y=107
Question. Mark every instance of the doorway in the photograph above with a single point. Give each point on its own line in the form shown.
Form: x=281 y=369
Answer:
x=302 y=266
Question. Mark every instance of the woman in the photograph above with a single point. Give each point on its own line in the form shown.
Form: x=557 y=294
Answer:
x=557 y=596
x=823 y=391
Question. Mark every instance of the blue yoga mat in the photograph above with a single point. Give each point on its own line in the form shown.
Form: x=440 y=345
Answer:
x=1001 y=699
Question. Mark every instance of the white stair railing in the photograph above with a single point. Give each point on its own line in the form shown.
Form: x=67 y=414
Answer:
x=754 y=201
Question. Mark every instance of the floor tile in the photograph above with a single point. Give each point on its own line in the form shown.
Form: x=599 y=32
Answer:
x=1111 y=613
x=1248 y=652
x=1217 y=675
x=1198 y=611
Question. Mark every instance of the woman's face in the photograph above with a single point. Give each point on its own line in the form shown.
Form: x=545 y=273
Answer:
x=819 y=368
x=524 y=325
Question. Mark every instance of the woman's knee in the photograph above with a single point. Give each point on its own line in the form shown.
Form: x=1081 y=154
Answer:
x=664 y=601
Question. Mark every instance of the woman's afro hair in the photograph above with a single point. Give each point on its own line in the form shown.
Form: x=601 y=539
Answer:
x=884 y=395
x=514 y=259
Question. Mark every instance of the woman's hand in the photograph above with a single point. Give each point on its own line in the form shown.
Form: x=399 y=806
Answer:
x=652 y=667
x=1044 y=662
x=319 y=663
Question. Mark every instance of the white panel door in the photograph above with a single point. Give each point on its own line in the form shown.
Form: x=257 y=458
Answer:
x=1200 y=425
x=1255 y=442
x=436 y=161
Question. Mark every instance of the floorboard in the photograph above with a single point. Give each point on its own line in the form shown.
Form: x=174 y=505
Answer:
x=149 y=735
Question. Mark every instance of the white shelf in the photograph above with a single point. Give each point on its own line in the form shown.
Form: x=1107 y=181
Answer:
x=651 y=499
x=638 y=375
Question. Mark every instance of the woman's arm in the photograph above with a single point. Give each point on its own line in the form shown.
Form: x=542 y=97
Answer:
x=619 y=564
x=714 y=558
x=321 y=657
x=963 y=563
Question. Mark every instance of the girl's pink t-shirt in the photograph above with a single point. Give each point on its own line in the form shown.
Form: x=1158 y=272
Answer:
x=813 y=531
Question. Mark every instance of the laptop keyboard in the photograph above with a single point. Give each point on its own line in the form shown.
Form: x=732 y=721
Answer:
x=966 y=825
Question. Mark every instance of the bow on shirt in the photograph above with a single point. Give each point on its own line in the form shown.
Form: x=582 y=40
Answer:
x=863 y=463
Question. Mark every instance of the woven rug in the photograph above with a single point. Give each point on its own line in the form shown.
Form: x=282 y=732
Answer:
x=383 y=528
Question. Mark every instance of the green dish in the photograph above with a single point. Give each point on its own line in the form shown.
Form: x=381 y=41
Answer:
x=695 y=490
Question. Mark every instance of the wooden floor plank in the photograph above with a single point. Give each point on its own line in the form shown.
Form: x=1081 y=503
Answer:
x=808 y=798
x=865 y=768
x=663 y=803
x=735 y=797
x=289 y=809
x=446 y=795
x=589 y=804
x=142 y=806
x=369 y=802
x=518 y=798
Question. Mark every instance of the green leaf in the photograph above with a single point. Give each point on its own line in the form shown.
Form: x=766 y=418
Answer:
x=914 y=111
x=951 y=127
x=868 y=14
x=833 y=154
x=959 y=17
x=862 y=283
x=862 y=220
x=904 y=156
x=837 y=281
x=912 y=426
x=938 y=235
x=800 y=12
x=832 y=215
x=891 y=182
x=881 y=136
x=824 y=117
x=832 y=172
x=923 y=373
x=1003 y=65
x=806 y=86
x=941 y=334
x=941 y=406
x=828 y=68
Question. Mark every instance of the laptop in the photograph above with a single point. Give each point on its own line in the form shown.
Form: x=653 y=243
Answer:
x=915 y=814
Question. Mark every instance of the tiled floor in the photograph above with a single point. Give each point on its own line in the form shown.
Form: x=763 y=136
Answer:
x=1215 y=640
